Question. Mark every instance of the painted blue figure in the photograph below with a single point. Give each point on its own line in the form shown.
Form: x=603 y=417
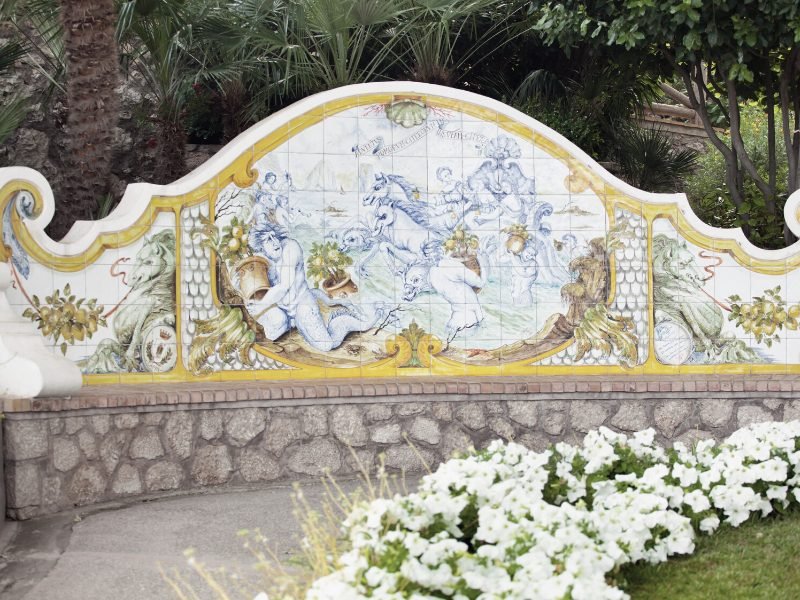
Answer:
x=291 y=303
x=514 y=193
x=525 y=270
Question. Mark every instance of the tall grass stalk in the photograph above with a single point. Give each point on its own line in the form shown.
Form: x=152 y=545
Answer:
x=320 y=545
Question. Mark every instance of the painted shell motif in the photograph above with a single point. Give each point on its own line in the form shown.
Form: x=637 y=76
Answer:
x=407 y=112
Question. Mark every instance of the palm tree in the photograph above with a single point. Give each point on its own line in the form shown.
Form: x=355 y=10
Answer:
x=93 y=107
x=447 y=39
x=13 y=112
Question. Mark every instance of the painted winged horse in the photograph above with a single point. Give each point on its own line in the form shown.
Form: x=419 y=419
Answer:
x=399 y=227
x=446 y=216
x=150 y=302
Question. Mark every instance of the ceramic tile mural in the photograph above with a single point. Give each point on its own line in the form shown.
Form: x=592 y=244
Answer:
x=396 y=229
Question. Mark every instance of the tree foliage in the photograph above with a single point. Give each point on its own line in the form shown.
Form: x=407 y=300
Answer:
x=725 y=52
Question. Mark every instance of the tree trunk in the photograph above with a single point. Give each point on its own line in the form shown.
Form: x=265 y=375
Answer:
x=92 y=77
x=171 y=152
x=234 y=102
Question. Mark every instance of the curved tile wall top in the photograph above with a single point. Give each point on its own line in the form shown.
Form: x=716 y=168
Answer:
x=397 y=229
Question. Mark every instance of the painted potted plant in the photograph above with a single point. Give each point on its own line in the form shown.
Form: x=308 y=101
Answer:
x=463 y=246
x=251 y=270
x=327 y=266
x=517 y=237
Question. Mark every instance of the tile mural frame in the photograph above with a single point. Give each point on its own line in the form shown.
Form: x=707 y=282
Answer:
x=143 y=203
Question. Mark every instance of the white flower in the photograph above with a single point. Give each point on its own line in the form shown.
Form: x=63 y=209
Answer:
x=479 y=519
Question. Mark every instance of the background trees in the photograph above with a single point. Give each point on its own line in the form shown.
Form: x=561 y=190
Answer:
x=725 y=53
x=208 y=69
x=92 y=65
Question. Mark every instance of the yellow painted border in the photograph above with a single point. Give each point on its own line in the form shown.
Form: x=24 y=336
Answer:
x=240 y=172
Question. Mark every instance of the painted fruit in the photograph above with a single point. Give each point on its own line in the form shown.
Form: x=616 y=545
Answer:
x=794 y=311
x=515 y=244
x=234 y=244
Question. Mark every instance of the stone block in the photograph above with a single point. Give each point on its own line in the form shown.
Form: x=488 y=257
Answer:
x=146 y=444
x=101 y=423
x=502 y=428
x=51 y=491
x=378 y=412
x=387 y=433
x=425 y=430
x=73 y=425
x=163 y=476
x=315 y=420
x=244 y=424
x=715 y=412
x=152 y=418
x=471 y=414
x=523 y=412
x=66 y=455
x=56 y=425
x=454 y=440
x=179 y=434
x=25 y=439
x=691 y=437
x=442 y=411
x=257 y=465
x=212 y=465
x=670 y=415
x=347 y=425
x=535 y=441
x=359 y=461
x=210 y=424
x=747 y=415
x=88 y=444
x=126 y=420
x=406 y=409
x=791 y=412
x=112 y=448
x=281 y=432
x=23 y=485
x=631 y=416
x=317 y=457
x=87 y=485
x=554 y=422
x=126 y=481
x=410 y=459
x=586 y=415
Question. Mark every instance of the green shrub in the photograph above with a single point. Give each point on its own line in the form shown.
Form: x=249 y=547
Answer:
x=709 y=196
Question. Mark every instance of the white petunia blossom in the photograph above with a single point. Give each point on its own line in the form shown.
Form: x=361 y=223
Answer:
x=515 y=524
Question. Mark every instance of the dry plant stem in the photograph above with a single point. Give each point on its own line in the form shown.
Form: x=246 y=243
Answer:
x=419 y=456
x=178 y=584
x=322 y=541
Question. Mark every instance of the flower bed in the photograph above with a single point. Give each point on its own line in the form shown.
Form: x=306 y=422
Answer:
x=507 y=522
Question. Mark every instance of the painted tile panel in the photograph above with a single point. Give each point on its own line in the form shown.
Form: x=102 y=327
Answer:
x=423 y=234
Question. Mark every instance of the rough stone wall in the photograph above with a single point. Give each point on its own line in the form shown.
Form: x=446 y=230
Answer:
x=56 y=462
x=40 y=142
x=2 y=485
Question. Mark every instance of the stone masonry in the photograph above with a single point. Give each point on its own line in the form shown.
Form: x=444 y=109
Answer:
x=238 y=434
